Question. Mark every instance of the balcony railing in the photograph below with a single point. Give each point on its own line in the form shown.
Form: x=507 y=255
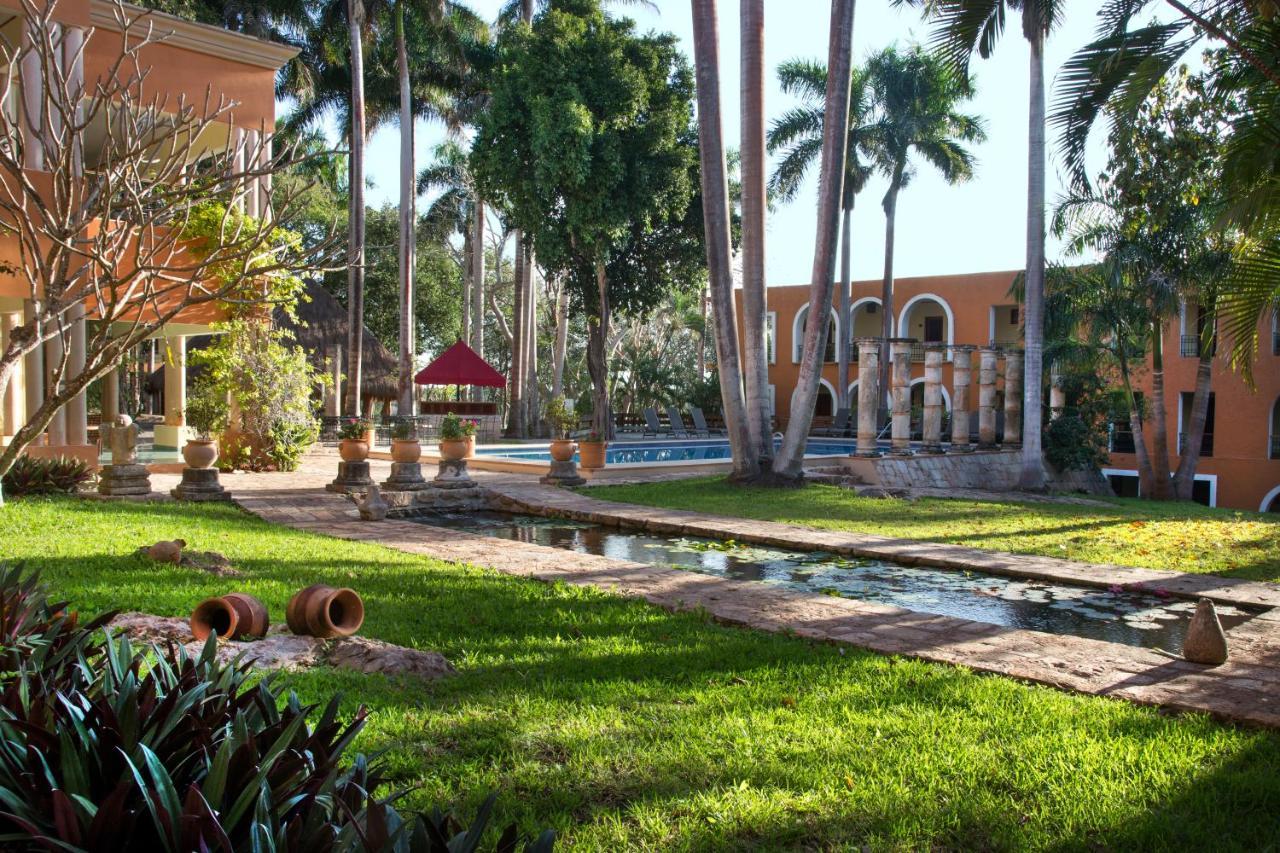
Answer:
x=1206 y=444
x=1191 y=346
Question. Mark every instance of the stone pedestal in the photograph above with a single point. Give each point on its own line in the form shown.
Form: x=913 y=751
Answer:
x=200 y=484
x=128 y=479
x=961 y=405
x=405 y=477
x=900 y=402
x=563 y=474
x=868 y=395
x=453 y=475
x=987 y=397
x=1013 y=398
x=932 y=427
x=352 y=477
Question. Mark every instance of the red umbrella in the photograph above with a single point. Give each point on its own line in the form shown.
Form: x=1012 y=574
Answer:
x=459 y=365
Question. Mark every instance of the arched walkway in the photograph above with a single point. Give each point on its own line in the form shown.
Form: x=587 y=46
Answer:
x=928 y=319
x=825 y=406
x=866 y=319
x=797 y=334
x=917 y=395
x=1273 y=431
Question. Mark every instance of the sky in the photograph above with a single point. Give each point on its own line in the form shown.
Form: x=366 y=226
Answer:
x=974 y=227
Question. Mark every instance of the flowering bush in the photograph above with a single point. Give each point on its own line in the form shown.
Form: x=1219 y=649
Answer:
x=404 y=430
x=453 y=427
x=592 y=436
x=354 y=429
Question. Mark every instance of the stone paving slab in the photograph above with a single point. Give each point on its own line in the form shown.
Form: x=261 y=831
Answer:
x=1245 y=690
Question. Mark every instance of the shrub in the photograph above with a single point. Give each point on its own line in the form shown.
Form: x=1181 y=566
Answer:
x=562 y=420
x=206 y=408
x=453 y=427
x=404 y=430
x=354 y=429
x=32 y=476
x=289 y=441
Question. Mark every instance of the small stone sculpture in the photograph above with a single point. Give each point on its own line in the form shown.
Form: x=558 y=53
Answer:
x=169 y=551
x=124 y=476
x=373 y=507
x=1206 y=641
x=122 y=437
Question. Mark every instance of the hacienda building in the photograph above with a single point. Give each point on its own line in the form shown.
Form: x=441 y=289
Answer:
x=1240 y=461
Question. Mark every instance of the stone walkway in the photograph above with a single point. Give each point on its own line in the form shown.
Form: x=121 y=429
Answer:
x=1246 y=689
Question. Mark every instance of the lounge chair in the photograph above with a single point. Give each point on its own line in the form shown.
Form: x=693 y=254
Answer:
x=700 y=423
x=677 y=423
x=839 y=426
x=652 y=425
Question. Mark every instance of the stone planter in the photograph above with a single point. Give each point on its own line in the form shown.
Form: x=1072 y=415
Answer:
x=200 y=453
x=591 y=453
x=232 y=617
x=353 y=450
x=405 y=450
x=562 y=449
x=453 y=449
x=322 y=611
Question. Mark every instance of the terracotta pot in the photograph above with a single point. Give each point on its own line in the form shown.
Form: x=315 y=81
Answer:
x=200 y=453
x=453 y=449
x=353 y=450
x=235 y=616
x=322 y=611
x=562 y=449
x=471 y=447
x=371 y=436
x=167 y=551
x=591 y=453
x=405 y=450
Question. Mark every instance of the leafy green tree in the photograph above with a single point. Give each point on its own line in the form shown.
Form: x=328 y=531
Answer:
x=586 y=145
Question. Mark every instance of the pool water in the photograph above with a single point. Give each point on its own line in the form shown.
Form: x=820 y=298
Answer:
x=1132 y=617
x=633 y=452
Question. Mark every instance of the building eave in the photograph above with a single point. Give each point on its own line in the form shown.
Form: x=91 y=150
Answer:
x=203 y=38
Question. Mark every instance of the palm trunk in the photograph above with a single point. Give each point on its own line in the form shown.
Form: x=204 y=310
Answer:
x=408 y=223
x=355 y=214
x=1189 y=457
x=789 y=462
x=562 y=342
x=715 y=218
x=477 y=280
x=515 y=383
x=1161 y=487
x=1032 y=476
x=466 y=287
x=531 y=403
x=754 y=296
x=886 y=287
x=846 y=296
x=598 y=357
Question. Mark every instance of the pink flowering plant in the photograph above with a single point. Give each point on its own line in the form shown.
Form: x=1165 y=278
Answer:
x=453 y=428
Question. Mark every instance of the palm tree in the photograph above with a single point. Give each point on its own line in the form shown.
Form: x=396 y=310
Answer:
x=917 y=94
x=966 y=27
x=753 y=198
x=788 y=464
x=453 y=212
x=715 y=215
x=798 y=135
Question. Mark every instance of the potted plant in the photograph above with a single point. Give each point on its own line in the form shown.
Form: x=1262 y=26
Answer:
x=591 y=448
x=457 y=436
x=354 y=439
x=404 y=442
x=562 y=421
x=206 y=413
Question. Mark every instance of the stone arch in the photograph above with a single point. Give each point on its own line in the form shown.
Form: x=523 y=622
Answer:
x=1270 y=501
x=905 y=320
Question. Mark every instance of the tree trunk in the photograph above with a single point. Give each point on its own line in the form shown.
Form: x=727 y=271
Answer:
x=598 y=358
x=561 y=350
x=477 y=280
x=1135 y=425
x=1032 y=476
x=715 y=219
x=515 y=382
x=1161 y=487
x=755 y=352
x=789 y=462
x=705 y=299
x=1189 y=457
x=887 y=329
x=466 y=287
x=355 y=235
x=532 y=416
x=408 y=224
x=846 y=288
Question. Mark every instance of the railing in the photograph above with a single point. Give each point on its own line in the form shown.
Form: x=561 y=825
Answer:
x=1206 y=444
x=1006 y=344
x=1190 y=347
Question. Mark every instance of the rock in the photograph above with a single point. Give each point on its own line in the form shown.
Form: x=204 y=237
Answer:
x=373 y=507
x=168 y=551
x=1206 y=641
x=365 y=655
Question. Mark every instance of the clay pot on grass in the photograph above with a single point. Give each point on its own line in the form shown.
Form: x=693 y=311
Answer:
x=235 y=616
x=405 y=450
x=591 y=453
x=200 y=452
x=353 y=450
x=562 y=449
x=325 y=612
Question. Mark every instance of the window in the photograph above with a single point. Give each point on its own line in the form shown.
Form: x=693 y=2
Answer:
x=1013 y=316
x=773 y=397
x=1185 y=400
x=933 y=330
x=771 y=336
x=1120 y=439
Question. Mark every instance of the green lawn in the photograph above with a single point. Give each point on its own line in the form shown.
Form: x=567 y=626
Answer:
x=626 y=727
x=1184 y=537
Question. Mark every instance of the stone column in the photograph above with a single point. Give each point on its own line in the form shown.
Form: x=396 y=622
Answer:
x=1013 y=398
x=175 y=382
x=11 y=406
x=932 y=429
x=868 y=395
x=961 y=371
x=110 y=395
x=1057 y=396
x=900 y=405
x=987 y=397
x=53 y=350
x=77 y=408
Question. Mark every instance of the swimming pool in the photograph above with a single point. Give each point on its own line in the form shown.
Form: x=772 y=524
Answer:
x=648 y=452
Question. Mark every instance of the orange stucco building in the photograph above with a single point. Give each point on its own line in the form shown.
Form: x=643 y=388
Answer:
x=1240 y=465
x=200 y=65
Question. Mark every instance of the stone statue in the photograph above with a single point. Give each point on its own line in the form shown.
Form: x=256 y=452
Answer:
x=122 y=435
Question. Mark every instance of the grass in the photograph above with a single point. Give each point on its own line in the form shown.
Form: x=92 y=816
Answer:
x=627 y=727
x=1182 y=536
